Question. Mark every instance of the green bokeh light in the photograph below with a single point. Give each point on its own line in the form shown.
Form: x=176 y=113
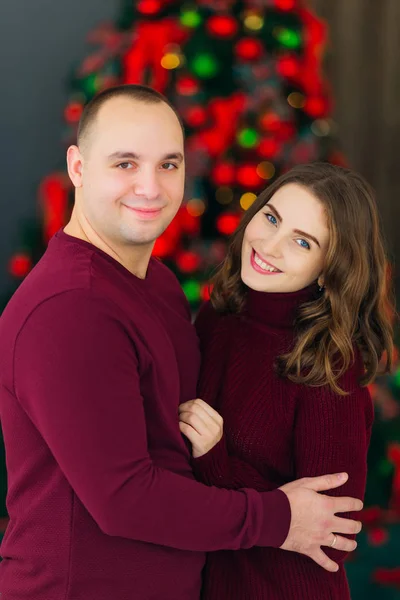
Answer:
x=190 y=18
x=288 y=37
x=90 y=85
x=396 y=378
x=191 y=289
x=205 y=65
x=248 y=138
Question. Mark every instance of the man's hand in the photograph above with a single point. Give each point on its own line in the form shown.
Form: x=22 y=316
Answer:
x=314 y=522
x=201 y=424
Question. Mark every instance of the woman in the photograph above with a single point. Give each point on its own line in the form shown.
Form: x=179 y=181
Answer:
x=297 y=324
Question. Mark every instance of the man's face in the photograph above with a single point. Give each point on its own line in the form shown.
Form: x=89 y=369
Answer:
x=132 y=171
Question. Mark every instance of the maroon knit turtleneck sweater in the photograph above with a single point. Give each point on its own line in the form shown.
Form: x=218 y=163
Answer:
x=274 y=432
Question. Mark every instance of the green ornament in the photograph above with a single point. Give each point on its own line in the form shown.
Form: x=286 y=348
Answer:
x=205 y=65
x=90 y=85
x=191 y=289
x=396 y=378
x=289 y=38
x=190 y=18
x=248 y=138
x=385 y=467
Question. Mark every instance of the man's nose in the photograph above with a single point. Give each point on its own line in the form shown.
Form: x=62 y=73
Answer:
x=147 y=185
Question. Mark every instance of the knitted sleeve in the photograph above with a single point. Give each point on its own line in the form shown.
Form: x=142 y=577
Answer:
x=332 y=435
x=220 y=469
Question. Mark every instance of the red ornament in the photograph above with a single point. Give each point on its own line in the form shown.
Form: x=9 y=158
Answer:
x=53 y=194
x=270 y=121
x=337 y=158
x=206 y=292
x=148 y=48
x=188 y=262
x=268 y=148
x=187 y=86
x=227 y=223
x=223 y=174
x=222 y=26
x=224 y=114
x=286 y=131
x=163 y=247
x=288 y=66
x=149 y=7
x=388 y=577
x=285 y=4
x=196 y=116
x=213 y=142
x=20 y=265
x=315 y=35
x=378 y=536
x=73 y=112
x=249 y=49
x=248 y=177
x=316 y=107
x=371 y=515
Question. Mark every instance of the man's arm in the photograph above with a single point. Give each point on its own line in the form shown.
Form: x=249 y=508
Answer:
x=76 y=376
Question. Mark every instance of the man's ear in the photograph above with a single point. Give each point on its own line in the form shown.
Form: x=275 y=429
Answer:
x=75 y=165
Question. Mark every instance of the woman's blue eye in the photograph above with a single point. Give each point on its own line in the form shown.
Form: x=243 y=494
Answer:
x=304 y=244
x=271 y=218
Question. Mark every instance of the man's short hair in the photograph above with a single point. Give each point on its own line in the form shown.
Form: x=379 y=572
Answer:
x=140 y=93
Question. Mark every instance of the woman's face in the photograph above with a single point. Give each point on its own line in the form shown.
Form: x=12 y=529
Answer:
x=285 y=243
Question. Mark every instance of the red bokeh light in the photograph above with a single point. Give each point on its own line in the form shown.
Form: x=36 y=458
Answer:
x=227 y=223
x=20 y=265
x=222 y=26
x=249 y=49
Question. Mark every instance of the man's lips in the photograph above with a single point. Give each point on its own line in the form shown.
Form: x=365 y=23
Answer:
x=145 y=213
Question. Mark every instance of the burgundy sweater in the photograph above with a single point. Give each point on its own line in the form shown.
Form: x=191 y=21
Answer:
x=274 y=432
x=102 y=501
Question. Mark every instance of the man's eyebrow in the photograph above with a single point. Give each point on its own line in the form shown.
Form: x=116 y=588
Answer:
x=121 y=154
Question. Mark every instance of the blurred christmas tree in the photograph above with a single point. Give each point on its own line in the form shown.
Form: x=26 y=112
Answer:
x=246 y=77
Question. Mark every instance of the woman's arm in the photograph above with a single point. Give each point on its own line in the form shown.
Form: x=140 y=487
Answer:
x=332 y=433
x=212 y=464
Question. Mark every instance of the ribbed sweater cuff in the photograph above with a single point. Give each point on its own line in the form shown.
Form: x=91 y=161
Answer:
x=213 y=468
x=277 y=518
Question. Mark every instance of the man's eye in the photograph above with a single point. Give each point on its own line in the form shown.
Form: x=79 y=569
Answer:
x=169 y=166
x=124 y=166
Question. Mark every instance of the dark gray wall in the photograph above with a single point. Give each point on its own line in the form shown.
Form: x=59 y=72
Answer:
x=40 y=41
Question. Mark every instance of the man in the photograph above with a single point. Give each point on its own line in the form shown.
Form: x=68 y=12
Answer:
x=98 y=352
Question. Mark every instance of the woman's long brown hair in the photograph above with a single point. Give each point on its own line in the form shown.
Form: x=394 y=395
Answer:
x=356 y=307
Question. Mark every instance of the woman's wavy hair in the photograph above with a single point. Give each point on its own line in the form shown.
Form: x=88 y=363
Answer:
x=356 y=307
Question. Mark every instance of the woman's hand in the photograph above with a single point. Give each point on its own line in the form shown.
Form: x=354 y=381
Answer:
x=201 y=424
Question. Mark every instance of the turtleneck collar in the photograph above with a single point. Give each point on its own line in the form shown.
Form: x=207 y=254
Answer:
x=277 y=309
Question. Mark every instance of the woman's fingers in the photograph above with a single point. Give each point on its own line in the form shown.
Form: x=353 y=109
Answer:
x=190 y=433
x=202 y=409
x=195 y=421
